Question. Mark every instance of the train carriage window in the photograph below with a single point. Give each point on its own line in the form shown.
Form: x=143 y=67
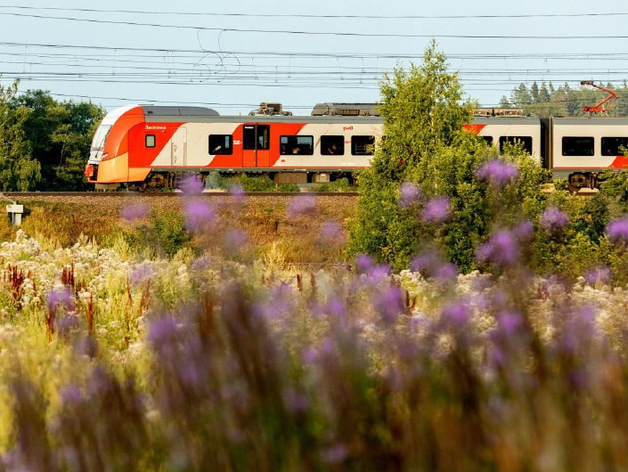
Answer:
x=614 y=146
x=577 y=146
x=525 y=140
x=263 y=137
x=332 y=145
x=220 y=144
x=362 y=145
x=488 y=140
x=248 y=138
x=150 y=141
x=256 y=137
x=299 y=145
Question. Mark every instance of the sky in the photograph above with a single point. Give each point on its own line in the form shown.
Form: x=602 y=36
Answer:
x=231 y=56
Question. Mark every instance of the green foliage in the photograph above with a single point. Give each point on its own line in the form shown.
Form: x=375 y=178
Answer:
x=288 y=188
x=18 y=170
x=422 y=113
x=164 y=234
x=255 y=184
x=59 y=134
x=340 y=185
x=426 y=144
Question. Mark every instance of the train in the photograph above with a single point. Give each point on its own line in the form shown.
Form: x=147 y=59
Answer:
x=149 y=147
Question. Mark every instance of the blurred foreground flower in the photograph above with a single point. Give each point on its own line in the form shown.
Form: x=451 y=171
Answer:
x=497 y=172
x=192 y=185
x=198 y=214
x=502 y=249
x=409 y=194
x=436 y=210
x=617 y=230
x=301 y=205
x=553 y=219
x=133 y=212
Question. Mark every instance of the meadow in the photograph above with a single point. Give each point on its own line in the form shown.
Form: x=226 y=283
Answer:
x=186 y=339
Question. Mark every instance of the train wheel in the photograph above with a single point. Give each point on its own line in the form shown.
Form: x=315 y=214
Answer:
x=578 y=180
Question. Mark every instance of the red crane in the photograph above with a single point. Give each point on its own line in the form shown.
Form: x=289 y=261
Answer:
x=597 y=108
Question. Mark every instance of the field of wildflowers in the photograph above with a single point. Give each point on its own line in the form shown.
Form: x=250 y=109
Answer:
x=118 y=358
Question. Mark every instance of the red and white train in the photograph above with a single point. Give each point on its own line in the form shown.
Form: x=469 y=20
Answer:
x=149 y=146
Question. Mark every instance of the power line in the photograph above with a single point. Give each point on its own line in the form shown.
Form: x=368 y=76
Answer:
x=322 y=16
x=320 y=33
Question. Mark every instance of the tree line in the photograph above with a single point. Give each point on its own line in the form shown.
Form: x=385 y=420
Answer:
x=546 y=100
x=44 y=143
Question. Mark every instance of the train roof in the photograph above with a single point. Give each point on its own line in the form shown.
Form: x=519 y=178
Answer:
x=506 y=120
x=591 y=120
x=173 y=113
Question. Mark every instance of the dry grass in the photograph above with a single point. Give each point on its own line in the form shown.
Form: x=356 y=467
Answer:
x=262 y=218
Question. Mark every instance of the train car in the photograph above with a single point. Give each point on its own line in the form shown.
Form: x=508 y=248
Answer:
x=581 y=148
x=499 y=130
x=148 y=146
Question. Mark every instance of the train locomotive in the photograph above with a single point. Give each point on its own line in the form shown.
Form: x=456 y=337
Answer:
x=146 y=147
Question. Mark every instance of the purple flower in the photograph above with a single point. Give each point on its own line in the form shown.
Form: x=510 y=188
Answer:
x=424 y=262
x=508 y=322
x=409 y=194
x=310 y=355
x=335 y=307
x=201 y=263
x=389 y=303
x=335 y=454
x=60 y=296
x=457 y=314
x=235 y=240
x=378 y=272
x=497 y=172
x=553 y=219
x=237 y=191
x=198 y=214
x=429 y=264
x=281 y=303
x=301 y=205
x=296 y=401
x=436 y=210
x=66 y=324
x=364 y=262
x=134 y=212
x=600 y=274
x=162 y=330
x=332 y=233
x=445 y=272
x=617 y=230
x=502 y=249
x=192 y=185
x=523 y=230
x=141 y=273
x=71 y=394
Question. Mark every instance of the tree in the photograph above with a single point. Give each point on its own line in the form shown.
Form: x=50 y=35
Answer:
x=423 y=113
x=60 y=134
x=429 y=162
x=18 y=170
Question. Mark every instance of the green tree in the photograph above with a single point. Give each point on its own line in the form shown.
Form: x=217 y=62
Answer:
x=60 y=134
x=426 y=147
x=18 y=170
x=423 y=113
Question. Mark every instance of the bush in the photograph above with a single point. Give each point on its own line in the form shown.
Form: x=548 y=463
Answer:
x=164 y=234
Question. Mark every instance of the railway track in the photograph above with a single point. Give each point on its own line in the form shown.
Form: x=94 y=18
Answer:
x=26 y=195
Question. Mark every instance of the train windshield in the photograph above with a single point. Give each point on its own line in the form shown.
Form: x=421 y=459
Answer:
x=99 y=138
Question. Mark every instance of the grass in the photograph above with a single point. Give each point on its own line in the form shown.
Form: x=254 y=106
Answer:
x=223 y=356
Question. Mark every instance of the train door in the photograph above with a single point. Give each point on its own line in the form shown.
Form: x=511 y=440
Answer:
x=256 y=146
x=179 y=148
